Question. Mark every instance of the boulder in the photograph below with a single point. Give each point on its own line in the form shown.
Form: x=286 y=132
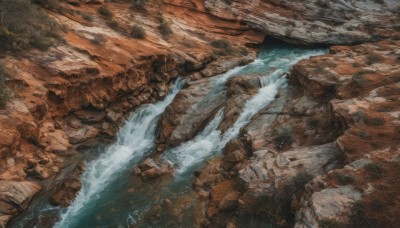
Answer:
x=152 y=168
x=229 y=202
x=332 y=204
x=273 y=176
x=15 y=196
x=313 y=22
x=235 y=156
x=190 y=112
x=63 y=194
x=74 y=2
x=224 y=190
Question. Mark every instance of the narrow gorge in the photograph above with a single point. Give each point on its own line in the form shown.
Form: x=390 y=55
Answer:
x=199 y=113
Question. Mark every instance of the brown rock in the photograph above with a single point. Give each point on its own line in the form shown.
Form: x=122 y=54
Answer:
x=151 y=169
x=31 y=163
x=65 y=193
x=40 y=173
x=99 y=2
x=15 y=196
x=189 y=112
x=230 y=225
x=74 y=2
x=29 y=131
x=229 y=202
x=4 y=220
x=113 y=116
x=90 y=116
x=218 y=193
x=235 y=156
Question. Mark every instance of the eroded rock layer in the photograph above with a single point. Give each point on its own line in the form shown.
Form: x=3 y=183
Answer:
x=77 y=93
x=330 y=138
x=325 y=152
x=315 y=21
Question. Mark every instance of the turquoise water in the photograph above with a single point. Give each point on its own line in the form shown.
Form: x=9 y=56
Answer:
x=112 y=197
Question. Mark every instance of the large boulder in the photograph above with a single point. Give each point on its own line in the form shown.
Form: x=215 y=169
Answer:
x=14 y=197
x=275 y=178
x=153 y=168
x=316 y=21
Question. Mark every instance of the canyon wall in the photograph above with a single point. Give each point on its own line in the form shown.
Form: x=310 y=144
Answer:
x=334 y=130
x=77 y=93
x=315 y=21
x=325 y=152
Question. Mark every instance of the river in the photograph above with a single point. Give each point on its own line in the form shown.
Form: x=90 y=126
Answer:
x=109 y=196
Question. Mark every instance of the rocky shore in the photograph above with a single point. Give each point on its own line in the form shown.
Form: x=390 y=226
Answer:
x=325 y=152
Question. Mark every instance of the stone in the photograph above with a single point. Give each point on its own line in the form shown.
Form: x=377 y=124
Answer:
x=41 y=173
x=229 y=202
x=113 y=116
x=330 y=203
x=105 y=126
x=218 y=193
x=74 y=2
x=66 y=91
x=29 y=132
x=151 y=169
x=4 y=220
x=235 y=156
x=82 y=135
x=189 y=112
x=90 y=116
x=287 y=21
x=98 y=2
x=230 y=225
x=64 y=193
x=31 y=163
x=15 y=196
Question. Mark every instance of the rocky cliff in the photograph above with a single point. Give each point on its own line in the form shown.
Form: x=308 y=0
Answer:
x=77 y=93
x=315 y=21
x=330 y=138
x=325 y=153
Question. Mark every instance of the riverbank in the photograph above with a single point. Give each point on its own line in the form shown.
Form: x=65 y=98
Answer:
x=76 y=94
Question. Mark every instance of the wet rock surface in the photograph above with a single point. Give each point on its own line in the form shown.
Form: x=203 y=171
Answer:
x=65 y=192
x=189 y=112
x=150 y=168
x=197 y=104
x=300 y=159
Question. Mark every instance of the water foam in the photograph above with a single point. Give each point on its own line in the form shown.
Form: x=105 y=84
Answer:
x=134 y=140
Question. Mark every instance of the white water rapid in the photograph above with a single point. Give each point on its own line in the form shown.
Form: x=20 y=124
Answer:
x=110 y=198
x=135 y=139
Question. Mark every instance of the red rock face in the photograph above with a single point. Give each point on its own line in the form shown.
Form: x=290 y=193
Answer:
x=77 y=93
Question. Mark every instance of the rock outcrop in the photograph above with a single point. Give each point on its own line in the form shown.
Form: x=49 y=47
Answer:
x=150 y=168
x=322 y=151
x=331 y=137
x=197 y=104
x=15 y=197
x=316 y=21
x=77 y=93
